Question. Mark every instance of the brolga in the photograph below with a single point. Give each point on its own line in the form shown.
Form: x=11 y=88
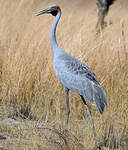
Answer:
x=103 y=8
x=73 y=74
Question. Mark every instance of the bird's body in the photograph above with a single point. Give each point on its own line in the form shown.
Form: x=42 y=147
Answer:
x=77 y=77
x=73 y=74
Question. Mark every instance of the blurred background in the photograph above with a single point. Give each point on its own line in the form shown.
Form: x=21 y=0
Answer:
x=32 y=95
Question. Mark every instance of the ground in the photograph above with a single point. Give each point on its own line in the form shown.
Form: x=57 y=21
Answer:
x=32 y=101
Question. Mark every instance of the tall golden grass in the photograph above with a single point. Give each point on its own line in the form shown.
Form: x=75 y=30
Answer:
x=28 y=81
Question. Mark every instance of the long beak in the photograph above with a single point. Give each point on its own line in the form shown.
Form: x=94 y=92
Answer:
x=45 y=11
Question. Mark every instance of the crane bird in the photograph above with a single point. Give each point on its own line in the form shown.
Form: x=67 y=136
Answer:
x=73 y=74
x=103 y=7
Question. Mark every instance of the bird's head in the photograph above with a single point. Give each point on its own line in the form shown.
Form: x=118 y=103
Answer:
x=53 y=9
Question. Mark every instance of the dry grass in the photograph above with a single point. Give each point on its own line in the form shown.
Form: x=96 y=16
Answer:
x=31 y=91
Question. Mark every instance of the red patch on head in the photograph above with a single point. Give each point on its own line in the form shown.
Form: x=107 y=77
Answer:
x=58 y=7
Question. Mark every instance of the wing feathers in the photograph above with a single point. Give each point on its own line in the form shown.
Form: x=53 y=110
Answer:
x=99 y=98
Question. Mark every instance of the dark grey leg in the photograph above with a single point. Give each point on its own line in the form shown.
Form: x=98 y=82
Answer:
x=91 y=120
x=67 y=103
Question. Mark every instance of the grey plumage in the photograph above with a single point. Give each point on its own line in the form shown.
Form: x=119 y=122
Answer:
x=79 y=78
x=73 y=74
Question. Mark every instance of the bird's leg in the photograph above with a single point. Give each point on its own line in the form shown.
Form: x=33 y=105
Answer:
x=67 y=103
x=91 y=120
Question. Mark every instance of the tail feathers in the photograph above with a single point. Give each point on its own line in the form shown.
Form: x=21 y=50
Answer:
x=100 y=99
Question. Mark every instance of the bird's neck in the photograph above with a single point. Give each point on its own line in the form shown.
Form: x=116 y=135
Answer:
x=53 y=42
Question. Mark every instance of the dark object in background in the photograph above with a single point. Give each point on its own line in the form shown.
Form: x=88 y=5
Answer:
x=103 y=8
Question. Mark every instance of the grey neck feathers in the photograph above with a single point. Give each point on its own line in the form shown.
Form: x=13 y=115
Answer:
x=53 y=42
